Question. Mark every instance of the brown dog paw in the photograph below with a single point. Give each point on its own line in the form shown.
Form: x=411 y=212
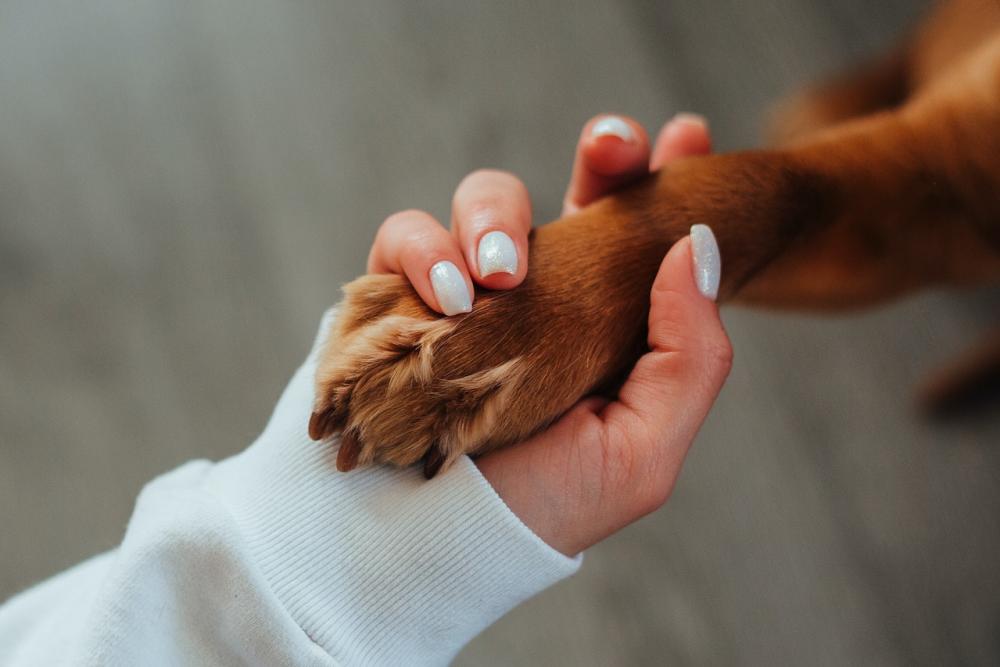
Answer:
x=402 y=384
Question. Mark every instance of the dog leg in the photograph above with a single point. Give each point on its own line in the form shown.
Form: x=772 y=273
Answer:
x=876 y=86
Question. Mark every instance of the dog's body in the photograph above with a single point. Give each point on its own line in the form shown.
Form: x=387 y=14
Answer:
x=884 y=182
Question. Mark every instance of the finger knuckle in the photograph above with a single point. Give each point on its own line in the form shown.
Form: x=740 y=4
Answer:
x=423 y=248
x=497 y=175
x=719 y=356
x=480 y=176
x=495 y=179
x=402 y=219
x=652 y=497
x=666 y=295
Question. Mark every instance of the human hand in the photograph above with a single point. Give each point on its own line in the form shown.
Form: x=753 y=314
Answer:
x=491 y=212
x=603 y=465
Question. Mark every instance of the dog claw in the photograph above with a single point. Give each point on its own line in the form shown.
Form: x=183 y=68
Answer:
x=349 y=453
x=321 y=424
x=433 y=462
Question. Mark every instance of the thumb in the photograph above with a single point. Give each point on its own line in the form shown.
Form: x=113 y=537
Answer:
x=673 y=386
x=584 y=478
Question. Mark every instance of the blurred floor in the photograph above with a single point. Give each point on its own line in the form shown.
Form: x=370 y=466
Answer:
x=184 y=186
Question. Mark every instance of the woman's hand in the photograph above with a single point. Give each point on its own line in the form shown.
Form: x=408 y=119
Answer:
x=491 y=212
x=603 y=465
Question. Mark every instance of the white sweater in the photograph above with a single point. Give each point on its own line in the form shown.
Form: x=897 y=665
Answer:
x=272 y=557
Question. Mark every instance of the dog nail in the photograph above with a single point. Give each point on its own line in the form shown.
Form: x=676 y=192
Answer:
x=433 y=462
x=497 y=254
x=319 y=424
x=450 y=289
x=690 y=119
x=349 y=452
x=707 y=261
x=613 y=126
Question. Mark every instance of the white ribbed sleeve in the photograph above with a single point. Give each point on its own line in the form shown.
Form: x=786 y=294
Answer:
x=273 y=557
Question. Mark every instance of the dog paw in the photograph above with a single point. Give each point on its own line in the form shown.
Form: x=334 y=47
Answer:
x=402 y=384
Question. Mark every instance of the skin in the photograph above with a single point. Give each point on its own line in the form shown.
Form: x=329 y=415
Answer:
x=604 y=464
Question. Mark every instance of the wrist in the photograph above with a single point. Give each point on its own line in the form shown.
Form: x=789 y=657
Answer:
x=521 y=483
x=378 y=565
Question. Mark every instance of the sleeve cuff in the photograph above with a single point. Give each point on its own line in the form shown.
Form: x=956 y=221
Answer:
x=379 y=566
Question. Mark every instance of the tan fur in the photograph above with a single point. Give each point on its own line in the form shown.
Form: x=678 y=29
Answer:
x=887 y=181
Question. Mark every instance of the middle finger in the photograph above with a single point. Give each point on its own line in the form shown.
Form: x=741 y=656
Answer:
x=491 y=218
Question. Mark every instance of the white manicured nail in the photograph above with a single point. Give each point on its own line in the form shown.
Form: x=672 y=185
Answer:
x=497 y=254
x=707 y=261
x=690 y=119
x=613 y=126
x=450 y=288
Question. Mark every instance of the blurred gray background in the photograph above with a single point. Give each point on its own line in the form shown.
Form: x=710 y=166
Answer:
x=185 y=185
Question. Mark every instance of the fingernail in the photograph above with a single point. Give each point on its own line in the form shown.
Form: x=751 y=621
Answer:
x=707 y=261
x=450 y=289
x=690 y=119
x=497 y=254
x=613 y=126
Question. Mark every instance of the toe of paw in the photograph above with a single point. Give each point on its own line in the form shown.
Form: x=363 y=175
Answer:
x=372 y=297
